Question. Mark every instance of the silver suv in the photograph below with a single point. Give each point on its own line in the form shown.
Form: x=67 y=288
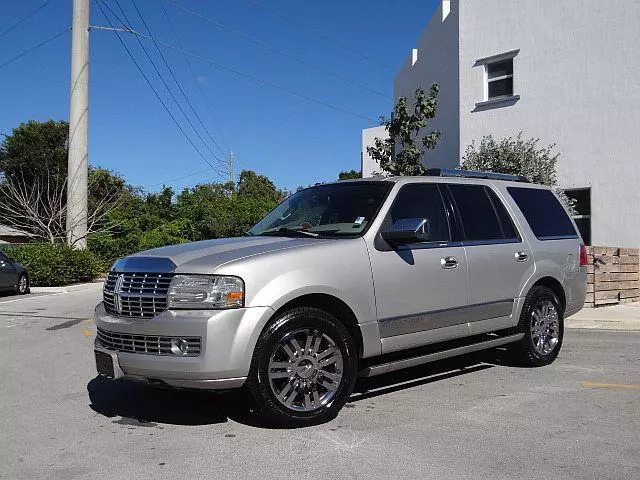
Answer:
x=347 y=279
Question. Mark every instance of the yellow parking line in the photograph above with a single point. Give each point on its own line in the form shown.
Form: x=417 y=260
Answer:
x=84 y=330
x=610 y=385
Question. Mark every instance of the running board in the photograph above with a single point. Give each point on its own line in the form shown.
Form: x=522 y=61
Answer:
x=432 y=357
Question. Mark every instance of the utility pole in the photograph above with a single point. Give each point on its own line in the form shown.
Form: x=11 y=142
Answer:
x=231 y=158
x=78 y=161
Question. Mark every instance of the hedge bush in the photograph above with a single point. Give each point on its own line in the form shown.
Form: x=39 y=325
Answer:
x=53 y=265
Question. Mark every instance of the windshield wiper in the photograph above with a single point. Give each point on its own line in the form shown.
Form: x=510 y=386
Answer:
x=294 y=231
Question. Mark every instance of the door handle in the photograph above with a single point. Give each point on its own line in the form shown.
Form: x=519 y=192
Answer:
x=521 y=256
x=448 y=262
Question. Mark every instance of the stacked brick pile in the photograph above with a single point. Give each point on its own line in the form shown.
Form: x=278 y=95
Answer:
x=615 y=278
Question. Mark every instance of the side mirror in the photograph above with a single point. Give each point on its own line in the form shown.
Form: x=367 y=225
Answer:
x=406 y=231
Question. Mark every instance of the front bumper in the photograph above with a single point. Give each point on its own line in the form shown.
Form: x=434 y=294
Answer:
x=228 y=340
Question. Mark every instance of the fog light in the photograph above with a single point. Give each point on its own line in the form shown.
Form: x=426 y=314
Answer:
x=179 y=346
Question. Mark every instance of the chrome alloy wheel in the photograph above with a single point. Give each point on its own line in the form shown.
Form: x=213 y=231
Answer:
x=22 y=284
x=305 y=370
x=545 y=327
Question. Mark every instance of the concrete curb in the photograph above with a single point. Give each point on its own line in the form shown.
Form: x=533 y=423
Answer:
x=67 y=288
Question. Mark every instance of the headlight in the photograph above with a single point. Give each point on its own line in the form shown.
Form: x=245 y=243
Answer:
x=205 y=291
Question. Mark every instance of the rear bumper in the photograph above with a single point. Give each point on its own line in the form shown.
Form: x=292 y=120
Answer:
x=576 y=290
x=228 y=338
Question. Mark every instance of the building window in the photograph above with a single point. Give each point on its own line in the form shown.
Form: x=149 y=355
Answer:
x=499 y=77
x=582 y=217
x=497 y=74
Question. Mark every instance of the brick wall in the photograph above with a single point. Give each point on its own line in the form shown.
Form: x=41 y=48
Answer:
x=614 y=281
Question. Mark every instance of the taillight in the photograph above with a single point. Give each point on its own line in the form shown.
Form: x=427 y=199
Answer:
x=584 y=260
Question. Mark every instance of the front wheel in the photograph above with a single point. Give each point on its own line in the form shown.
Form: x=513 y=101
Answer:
x=304 y=368
x=22 y=287
x=542 y=323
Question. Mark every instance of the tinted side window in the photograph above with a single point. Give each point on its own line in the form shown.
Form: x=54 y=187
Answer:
x=3 y=257
x=543 y=212
x=509 y=231
x=420 y=202
x=479 y=219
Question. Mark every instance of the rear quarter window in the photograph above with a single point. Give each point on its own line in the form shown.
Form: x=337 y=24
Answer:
x=544 y=213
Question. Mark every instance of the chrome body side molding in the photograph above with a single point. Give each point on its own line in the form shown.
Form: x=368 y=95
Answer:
x=390 y=327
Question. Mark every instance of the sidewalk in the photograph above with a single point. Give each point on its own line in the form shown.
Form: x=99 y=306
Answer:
x=68 y=288
x=615 y=317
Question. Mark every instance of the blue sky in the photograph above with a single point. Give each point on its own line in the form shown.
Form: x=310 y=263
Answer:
x=292 y=140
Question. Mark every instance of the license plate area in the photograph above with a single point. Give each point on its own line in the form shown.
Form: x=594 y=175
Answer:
x=107 y=364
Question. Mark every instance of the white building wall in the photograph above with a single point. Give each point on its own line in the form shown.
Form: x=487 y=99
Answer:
x=369 y=165
x=578 y=77
x=437 y=62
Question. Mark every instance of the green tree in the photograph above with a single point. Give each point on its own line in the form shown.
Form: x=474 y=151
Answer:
x=34 y=150
x=250 y=184
x=516 y=156
x=349 y=174
x=33 y=168
x=103 y=184
x=215 y=211
x=399 y=154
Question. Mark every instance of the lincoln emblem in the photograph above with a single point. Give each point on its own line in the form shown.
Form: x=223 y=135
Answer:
x=117 y=290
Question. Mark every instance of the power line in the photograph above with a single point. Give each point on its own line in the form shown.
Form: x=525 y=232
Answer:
x=25 y=18
x=128 y=24
x=35 y=47
x=321 y=35
x=178 y=178
x=195 y=79
x=175 y=79
x=255 y=79
x=124 y=45
x=275 y=49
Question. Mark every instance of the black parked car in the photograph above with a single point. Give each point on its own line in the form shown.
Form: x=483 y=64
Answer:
x=13 y=276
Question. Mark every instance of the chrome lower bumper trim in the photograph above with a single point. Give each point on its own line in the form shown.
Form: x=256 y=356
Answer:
x=217 y=384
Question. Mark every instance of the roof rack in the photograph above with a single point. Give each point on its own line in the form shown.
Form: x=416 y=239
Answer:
x=450 y=172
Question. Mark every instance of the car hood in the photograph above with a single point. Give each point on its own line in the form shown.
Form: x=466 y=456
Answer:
x=205 y=256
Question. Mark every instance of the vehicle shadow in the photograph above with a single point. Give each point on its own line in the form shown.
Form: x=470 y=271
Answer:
x=423 y=375
x=143 y=405
x=148 y=404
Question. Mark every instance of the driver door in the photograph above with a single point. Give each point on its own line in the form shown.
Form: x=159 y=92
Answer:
x=7 y=272
x=420 y=288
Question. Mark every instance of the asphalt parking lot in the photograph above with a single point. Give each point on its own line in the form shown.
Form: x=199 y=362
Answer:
x=470 y=418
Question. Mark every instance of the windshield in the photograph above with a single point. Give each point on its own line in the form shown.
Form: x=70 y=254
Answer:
x=333 y=210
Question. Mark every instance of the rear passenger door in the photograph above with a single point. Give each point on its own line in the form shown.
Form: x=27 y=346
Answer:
x=499 y=260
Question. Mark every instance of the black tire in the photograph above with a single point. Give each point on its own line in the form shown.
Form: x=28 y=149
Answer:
x=22 y=287
x=284 y=325
x=525 y=352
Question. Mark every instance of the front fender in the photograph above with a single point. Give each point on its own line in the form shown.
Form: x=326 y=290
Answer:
x=276 y=294
x=339 y=268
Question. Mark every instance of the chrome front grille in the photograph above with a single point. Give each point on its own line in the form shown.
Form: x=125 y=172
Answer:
x=136 y=294
x=151 y=344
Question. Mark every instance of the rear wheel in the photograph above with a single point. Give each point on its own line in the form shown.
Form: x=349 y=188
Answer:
x=542 y=323
x=303 y=369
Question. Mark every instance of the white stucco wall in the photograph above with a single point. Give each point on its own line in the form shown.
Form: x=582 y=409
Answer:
x=437 y=62
x=578 y=77
x=369 y=165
